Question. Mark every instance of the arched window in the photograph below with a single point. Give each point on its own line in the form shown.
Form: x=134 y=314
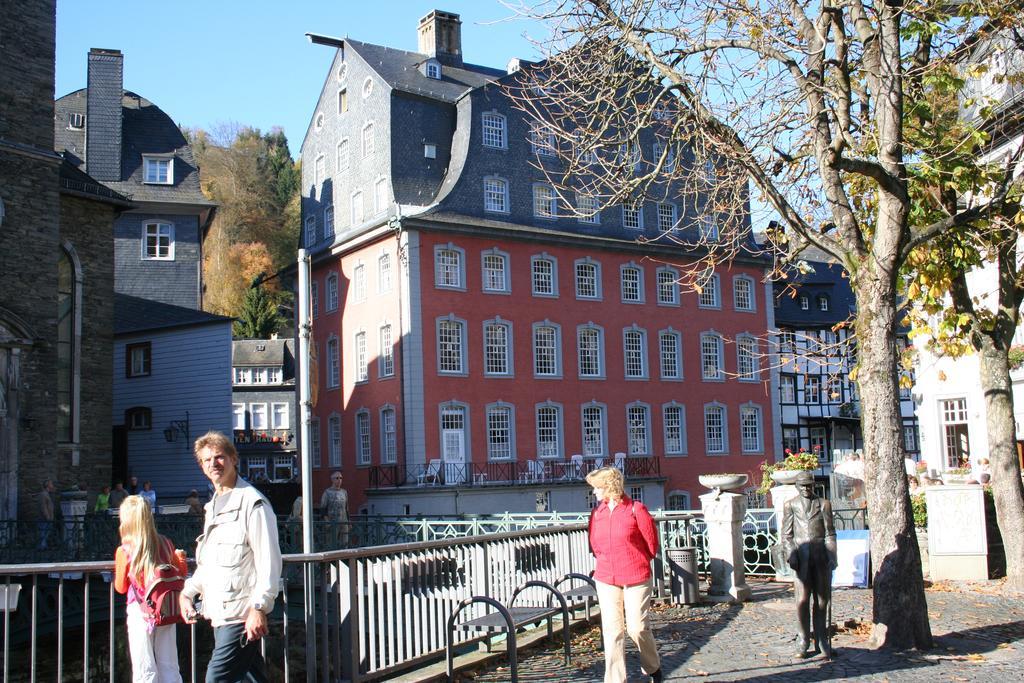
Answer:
x=69 y=313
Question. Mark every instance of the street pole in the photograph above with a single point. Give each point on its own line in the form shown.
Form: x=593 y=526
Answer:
x=305 y=420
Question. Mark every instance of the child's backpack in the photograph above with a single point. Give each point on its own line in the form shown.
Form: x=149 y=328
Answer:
x=159 y=600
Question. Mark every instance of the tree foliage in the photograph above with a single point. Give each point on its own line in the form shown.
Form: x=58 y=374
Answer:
x=258 y=317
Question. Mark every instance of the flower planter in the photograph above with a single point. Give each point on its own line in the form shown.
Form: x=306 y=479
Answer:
x=722 y=482
x=785 y=477
x=953 y=478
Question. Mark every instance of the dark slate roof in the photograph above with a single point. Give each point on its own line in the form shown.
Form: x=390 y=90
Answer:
x=146 y=129
x=400 y=70
x=827 y=278
x=260 y=352
x=75 y=181
x=133 y=314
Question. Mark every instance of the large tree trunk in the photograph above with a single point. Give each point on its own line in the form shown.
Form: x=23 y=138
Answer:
x=1002 y=454
x=900 y=611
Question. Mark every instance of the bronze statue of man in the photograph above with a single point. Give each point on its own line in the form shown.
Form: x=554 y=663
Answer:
x=809 y=543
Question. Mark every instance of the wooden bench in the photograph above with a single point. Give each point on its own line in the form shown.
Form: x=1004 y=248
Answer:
x=508 y=619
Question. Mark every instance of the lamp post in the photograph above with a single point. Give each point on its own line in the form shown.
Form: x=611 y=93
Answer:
x=178 y=426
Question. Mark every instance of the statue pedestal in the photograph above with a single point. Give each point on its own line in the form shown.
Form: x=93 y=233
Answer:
x=957 y=545
x=723 y=515
x=780 y=495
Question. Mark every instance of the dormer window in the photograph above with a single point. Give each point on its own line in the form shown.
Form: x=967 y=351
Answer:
x=76 y=120
x=158 y=170
x=432 y=69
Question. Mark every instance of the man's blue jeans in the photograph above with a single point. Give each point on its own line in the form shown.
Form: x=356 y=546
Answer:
x=234 y=660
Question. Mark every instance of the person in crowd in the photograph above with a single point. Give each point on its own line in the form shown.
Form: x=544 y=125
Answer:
x=47 y=513
x=102 y=500
x=334 y=504
x=195 y=506
x=981 y=472
x=153 y=649
x=118 y=495
x=624 y=541
x=238 y=587
x=296 y=513
x=149 y=495
x=133 y=486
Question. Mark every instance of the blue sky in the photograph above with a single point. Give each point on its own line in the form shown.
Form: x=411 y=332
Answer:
x=221 y=61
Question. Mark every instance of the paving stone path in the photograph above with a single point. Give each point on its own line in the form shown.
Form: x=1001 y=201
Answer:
x=979 y=636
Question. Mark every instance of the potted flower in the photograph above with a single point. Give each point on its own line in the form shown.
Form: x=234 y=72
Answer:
x=786 y=471
x=956 y=475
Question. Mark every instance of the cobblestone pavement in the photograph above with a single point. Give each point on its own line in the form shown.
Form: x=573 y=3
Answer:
x=979 y=636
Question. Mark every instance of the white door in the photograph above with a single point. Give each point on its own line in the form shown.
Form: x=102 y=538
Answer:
x=453 y=444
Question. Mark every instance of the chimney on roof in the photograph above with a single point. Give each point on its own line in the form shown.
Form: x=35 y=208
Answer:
x=104 y=85
x=440 y=37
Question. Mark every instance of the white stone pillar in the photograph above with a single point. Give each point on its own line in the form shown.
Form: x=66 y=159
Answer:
x=780 y=495
x=723 y=515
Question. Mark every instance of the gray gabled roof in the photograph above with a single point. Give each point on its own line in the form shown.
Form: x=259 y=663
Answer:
x=134 y=314
x=259 y=352
x=75 y=181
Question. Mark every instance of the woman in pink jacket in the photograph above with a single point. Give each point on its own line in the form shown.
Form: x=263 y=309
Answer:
x=624 y=541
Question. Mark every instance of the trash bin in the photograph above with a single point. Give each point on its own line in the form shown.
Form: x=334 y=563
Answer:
x=682 y=563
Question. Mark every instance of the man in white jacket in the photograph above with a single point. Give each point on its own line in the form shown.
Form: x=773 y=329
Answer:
x=238 y=566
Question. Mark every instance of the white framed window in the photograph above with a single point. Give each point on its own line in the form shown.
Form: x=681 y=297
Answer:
x=259 y=375
x=550 y=443
x=388 y=436
x=750 y=429
x=595 y=432
x=429 y=150
x=711 y=356
x=638 y=429
x=498 y=348
x=329 y=222
x=812 y=389
x=787 y=388
x=715 y=433
x=314 y=299
x=319 y=170
x=633 y=216
x=273 y=375
x=495 y=195
x=279 y=416
x=242 y=375
x=238 y=416
x=588 y=279
x=677 y=500
x=158 y=170
x=669 y=164
x=547 y=345
x=634 y=351
x=449 y=267
x=259 y=417
x=748 y=358
x=344 y=158
x=451 y=346
x=310 y=231
x=710 y=290
x=342 y=101
x=356 y=209
x=333 y=363
x=454 y=432
x=500 y=432
x=668 y=286
x=910 y=438
x=76 y=120
x=542 y=139
x=805 y=303
x=380 y=195
x=364 y=451
x=743 y=293
x=384 y=273
x=708 y=228
x=359 y=283
x=631 y=277
x=668 y=215
x=544 y=275
x=823 y=302
x=630 y=156
x=361 y=357
x=334 y=441
x=588 y=209
x=157 y=241
x=670 y=354
x=314 y=442
x=433 y=70
x=386 y=363
x=495 y=266
x=331 y=304
x=545 y=201
x=494 y=130
x=956 y=441
x=368 y=140
x=590 y=350
x=673 y=416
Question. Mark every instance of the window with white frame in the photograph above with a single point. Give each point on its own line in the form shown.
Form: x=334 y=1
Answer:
x=710 y=291
x=748 y=363
x=636 y=494
x=388 y=436
x=331 y=304
x=812 y=389
x=667 y=217
x=362 y=368
x=368 y=139
x=494 y=130
x=823 y=302
x=669 y=165
x=496 y=195
x=363 y=443
x=310 y=231
x=386 y=362
x=259 y=417
x=668 y=286
x=497 y=347
x=805 y=303
x=818 y=439
x=588 y=279
x=910 y=438
x=279 y=416
x=750 y=429
x=384 y=273
x=499 y=432
x=542 y=139
x=329 y=222
x=549 y=431
x=545 y=201
x=158 y=241
x=630 y=156
x=674 y=419
x=334 y=441
x=546 y=354
x=433 y=70
x=677 y=500
x=451 y=335
x=787 y=388
x=714 y=429
x=333 y=363
x=634 y=346
x=449 y=267
x=711 y=356
x=543 y=276
x=590 y=350
x=314 y=442
x=670 y=353
x=633 y=215
x=495 y=271
x=956 y=440
x=356 y=209
x=380 y=195
x=453 y=433
x=593 y=423
x=588 y=209
x=632 y=281
x=638 y=429
x=344 y=158
x=319 y=169
x=743 y=293
x=359 y=283
x=314 y=299
x=157 y=170
x=238 y=416
x=708 y=228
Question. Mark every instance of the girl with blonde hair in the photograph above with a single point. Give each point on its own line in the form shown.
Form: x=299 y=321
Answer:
x=154 y=649
x=624 y=541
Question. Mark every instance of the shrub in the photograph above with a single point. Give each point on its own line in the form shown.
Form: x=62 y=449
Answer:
x=919 y=505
